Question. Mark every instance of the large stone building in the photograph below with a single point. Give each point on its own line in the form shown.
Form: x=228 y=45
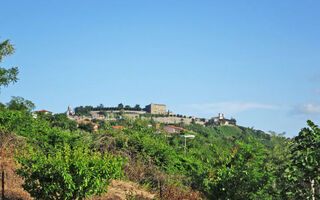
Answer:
x=156 y=109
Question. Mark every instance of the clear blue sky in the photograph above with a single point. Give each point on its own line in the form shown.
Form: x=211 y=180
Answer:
x=256 y=61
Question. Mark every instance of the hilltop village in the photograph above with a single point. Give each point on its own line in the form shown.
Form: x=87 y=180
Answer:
x=157 y=112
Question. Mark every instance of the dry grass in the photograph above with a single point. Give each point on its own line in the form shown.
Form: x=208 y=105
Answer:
x=144 y=172
x=121 y=190
x=13 y=188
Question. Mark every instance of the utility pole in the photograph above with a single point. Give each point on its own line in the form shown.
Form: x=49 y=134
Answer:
x=185 y=146
x=185 y=142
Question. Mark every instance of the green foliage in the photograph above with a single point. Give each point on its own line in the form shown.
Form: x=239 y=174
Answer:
x=57 y=163
x=86 y=127
x=19 y=103
x=62 y=121
x=58 y=120
x=37 y=131
x=67 y=173
x=2 y=106
x=303 y=172
x=222 y=162
x=102 y=123
x=240 y=173
x=7 y=76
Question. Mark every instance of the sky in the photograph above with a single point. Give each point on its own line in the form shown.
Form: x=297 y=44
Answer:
x=255 y=61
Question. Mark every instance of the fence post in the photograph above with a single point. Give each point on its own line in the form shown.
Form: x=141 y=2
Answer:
x=2 y=183
x=160 y=188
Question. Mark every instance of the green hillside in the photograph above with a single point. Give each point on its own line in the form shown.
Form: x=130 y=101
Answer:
x=220 y=162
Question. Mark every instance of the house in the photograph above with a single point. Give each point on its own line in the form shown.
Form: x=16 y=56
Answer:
x=174 y=129
x=95 y=126
x=44 y=112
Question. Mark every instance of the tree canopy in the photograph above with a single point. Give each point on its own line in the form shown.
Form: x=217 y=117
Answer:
x=19 y=103
x=9 y=75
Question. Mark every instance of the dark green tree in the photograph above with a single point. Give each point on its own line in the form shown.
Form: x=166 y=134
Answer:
x=2 y=106
x=83 y=110
x=127 y=107
x=120 y=106
x=99 y=107
x=137 y=107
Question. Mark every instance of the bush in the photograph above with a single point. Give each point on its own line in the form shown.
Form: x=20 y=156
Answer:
x=67 y=173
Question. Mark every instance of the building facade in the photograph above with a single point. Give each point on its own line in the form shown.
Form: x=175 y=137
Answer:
x=156 y=109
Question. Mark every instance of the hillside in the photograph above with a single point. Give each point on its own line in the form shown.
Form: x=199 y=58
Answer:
x=157 y=161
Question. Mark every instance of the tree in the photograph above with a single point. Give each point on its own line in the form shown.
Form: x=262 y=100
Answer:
x=7 y=76
x=303 y=172
x=21 y=104
x=127 y=107
x=67 y=173
x=2 y=106
x=137 y=107
x=100 y=107
x=83 y=110
x=233 y=121
x=120 y=106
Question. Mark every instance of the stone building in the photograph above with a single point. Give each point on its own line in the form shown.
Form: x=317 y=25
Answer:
x=156 y=109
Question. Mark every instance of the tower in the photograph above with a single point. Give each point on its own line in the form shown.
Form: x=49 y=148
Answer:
x=69 y=111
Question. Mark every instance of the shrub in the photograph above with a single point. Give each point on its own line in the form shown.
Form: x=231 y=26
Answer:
x=67 y=173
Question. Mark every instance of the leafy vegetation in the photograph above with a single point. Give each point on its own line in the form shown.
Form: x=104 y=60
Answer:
x=68 y=173
x=57 y=163
x=303 y=172
x=7 y=76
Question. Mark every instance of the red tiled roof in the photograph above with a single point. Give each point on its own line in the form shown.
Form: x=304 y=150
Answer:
x=118 y=127
x=44 y=111
x=179 y=128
